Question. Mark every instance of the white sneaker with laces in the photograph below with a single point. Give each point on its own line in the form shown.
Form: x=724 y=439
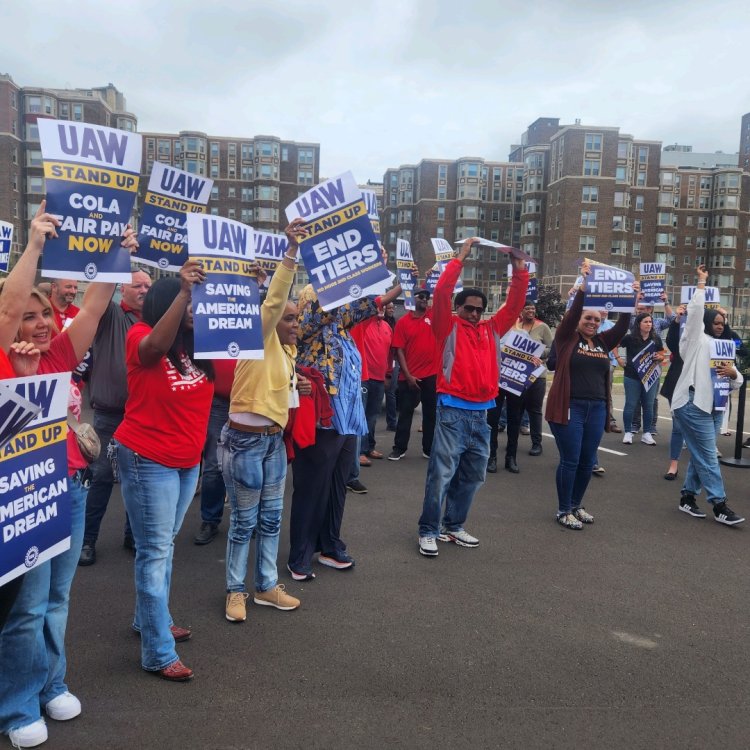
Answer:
x=461 y=537
x=428 y=546
x=648 y=439
x=627 y=438
x=66 y=706
x=29 y=736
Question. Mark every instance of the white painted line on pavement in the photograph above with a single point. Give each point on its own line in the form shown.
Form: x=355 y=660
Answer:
x=606 y=450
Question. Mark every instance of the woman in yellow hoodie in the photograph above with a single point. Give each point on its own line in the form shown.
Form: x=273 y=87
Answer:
x=251 y=448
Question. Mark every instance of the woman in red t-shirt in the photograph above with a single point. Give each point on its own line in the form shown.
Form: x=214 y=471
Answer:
x=160 y=441
x=39 y=615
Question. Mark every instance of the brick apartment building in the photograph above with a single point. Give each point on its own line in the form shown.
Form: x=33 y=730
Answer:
x=255 y=177
x=575 y=191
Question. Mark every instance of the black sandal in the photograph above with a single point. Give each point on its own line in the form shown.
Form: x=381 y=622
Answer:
x=671 y=475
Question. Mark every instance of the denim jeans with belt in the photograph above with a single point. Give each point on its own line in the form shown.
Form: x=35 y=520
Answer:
x=699 y=430
x=32 y=644
x=254 y=467
x=577 y=442
x=156 y=499
x=457 y=468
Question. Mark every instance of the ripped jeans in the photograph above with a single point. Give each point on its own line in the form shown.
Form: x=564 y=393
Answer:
x=254 y=469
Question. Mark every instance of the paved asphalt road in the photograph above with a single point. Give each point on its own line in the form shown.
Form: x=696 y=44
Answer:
x=632 y=633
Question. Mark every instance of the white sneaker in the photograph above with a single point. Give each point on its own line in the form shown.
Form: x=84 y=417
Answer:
x=461 y=537
x=428 y=546
x=627 y=438
x=29 y=736
x=66 y=706
x=648 y=439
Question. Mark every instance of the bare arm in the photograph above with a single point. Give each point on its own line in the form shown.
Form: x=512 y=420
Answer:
x=20 y=280
x=154 y=346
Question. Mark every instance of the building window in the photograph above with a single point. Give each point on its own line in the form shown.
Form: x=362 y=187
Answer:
x=636 y=249
x=305 y=177
x=587 y=244
x=214 y=170
x=78 y=112
x=443 y=172
x=639 y=201
x=591 y=167
x=214 y=149
x=621 y=174
x=619 y=199
x=589 y=194
x=246 y=151
x=441 y=213
x=305 y=156
x=440 y=232
x=588 y=218
x=593 y=141
x=642 y=154
x=215 y=192
x=232 y=192
x=638 y=226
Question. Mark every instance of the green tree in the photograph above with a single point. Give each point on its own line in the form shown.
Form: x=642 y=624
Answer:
x=550 y=307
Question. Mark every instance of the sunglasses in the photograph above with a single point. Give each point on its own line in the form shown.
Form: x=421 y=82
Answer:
x=472 y=309
x=423 y=296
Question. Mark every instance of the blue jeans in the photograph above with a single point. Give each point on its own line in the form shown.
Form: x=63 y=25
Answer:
x=32 y=644
x=212 y=484
x=254 y=468
x=577 y=442
x=699 y=431
x=634 y=392
x=457 y=468
x=373 y=405
x=156 y=498
x=105 y=424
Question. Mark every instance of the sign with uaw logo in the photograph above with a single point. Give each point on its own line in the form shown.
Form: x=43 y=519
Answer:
x=91 y=175
x=35 y=512
x=608 y=288
x=162 y=231
x=340 y=252
x=226 y=306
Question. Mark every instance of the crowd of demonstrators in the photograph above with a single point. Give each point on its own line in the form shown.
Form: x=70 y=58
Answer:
x=322 y=469
x=467 y=385
x=417 y=356
x=579 y=401
x=634 y=342
x=694 y=406
x=252 y=452
x=530 y=401
x=108 y=391
x=32 y=643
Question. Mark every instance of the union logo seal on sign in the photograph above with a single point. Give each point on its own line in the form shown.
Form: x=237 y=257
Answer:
x=90 y=271
x=355 y=291
x=233 y=350
x=608 y=306
x=32 y=555
x=163 y=262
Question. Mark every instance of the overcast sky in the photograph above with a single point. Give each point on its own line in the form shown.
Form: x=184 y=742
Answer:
x=387 y=83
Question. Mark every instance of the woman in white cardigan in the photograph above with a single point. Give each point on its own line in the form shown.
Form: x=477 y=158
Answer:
x=693 y=406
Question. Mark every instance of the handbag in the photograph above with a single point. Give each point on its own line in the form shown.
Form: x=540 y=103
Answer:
x=86 y=437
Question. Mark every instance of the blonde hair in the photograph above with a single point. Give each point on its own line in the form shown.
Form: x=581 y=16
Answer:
x=42 y=299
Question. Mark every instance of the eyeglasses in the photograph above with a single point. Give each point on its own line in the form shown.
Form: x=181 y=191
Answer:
x=472 y=309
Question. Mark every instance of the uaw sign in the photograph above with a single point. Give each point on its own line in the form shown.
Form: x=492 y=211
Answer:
x=340 y=252
x=91 y=174
x=608 y=288
x=226 y=306
x=162 y=231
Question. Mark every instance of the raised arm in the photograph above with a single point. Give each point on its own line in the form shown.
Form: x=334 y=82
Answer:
x=694 y=324
x=508 y=313
x=20 y=280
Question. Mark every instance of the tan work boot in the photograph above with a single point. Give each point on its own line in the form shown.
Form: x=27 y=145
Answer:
x=236 y=611
x=276 y=597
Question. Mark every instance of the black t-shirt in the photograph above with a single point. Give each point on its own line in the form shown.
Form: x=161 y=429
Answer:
x=589 y=370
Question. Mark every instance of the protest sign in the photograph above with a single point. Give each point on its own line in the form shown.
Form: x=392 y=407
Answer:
x=531 y=292
x=341 y=253
x=226 y=306
x=6 y=240
x=517 y=368
x=431 y=279
x=407 y=270
x=712 y=298
x=269 y=249
x=514 y=252
x=34 y=506
x=608 y=288
x=371 y=202
x=653 y=278
x=444 y=253
x=646 y=367
x=162 y=232
x=91 y=174
x=722 y=352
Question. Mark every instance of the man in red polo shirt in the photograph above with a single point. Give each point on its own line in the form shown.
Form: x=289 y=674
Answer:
x=417 y=354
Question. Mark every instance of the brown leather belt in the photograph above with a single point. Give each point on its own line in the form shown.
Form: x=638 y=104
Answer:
x=270 y=429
